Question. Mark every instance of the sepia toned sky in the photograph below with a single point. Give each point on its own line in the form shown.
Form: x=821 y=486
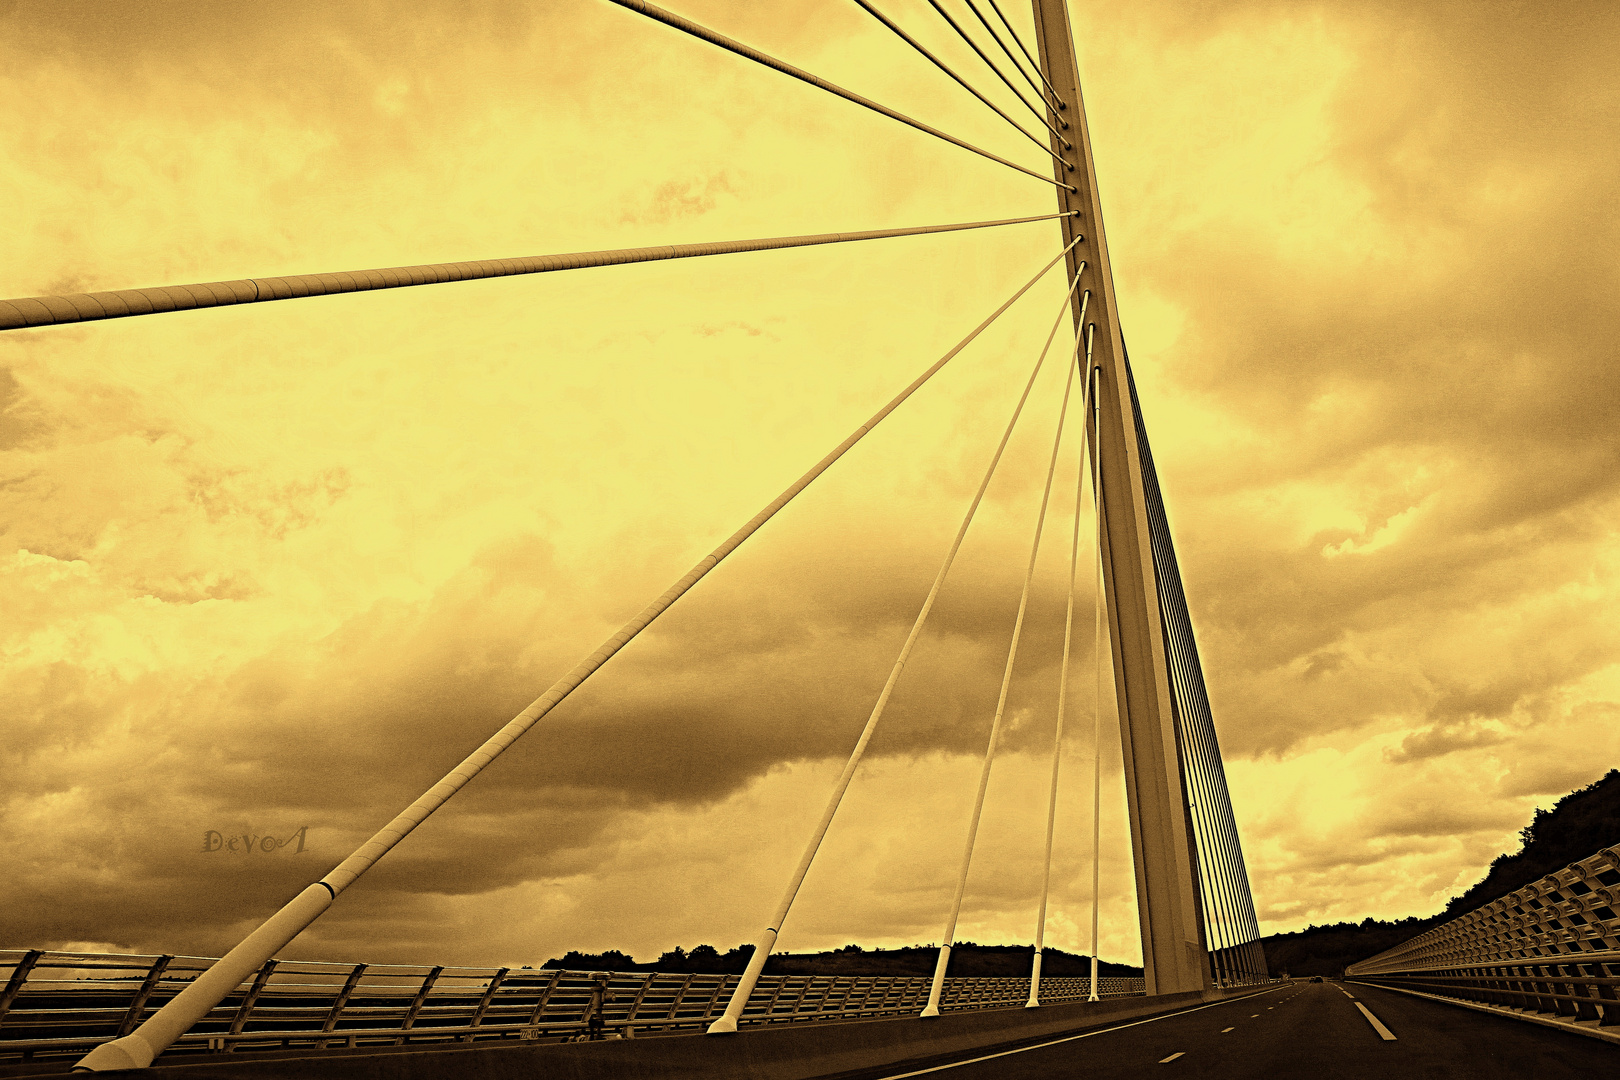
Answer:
x=284 y=565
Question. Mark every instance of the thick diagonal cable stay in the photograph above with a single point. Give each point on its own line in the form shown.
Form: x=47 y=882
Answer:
x=34 y=311
x=158 y=1032
x=1063 y=677
x=969 y=87
x=685 y=25
x=1213 y=898
x=938 y=985
x=1017 y=64
x=961 y=32
x=727 y=1022
x=1229 y=915
x=1057 y=97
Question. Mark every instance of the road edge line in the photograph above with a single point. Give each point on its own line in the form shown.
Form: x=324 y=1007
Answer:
x=1612 y=1036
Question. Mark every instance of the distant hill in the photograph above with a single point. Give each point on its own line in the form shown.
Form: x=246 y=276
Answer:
x=1578 y=825
x=967 y=958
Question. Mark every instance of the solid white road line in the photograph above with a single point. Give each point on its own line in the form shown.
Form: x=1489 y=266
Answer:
x=1383 y=1032
x=1172 y=1057
x=1066 y=1038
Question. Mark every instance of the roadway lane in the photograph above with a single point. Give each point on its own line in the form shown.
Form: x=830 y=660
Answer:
x=1311 y=1030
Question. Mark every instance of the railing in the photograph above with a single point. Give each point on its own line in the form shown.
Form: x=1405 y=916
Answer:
x=66 y=1002
x=1551 y=947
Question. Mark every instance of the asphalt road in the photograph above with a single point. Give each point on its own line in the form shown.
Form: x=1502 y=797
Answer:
x=1316 y=1031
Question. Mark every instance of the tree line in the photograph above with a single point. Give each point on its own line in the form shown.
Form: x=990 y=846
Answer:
x=967 y=958
x=1578 y=825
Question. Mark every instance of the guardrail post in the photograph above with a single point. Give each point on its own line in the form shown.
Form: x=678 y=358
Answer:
x=798 y=1002
x=416 y=1005
x=1564 y=991
x=871 y=988
x=1545 y=1002
x=1606 y=995
x=1582 y=991
x=770 y=1006
x=19 y=975
x=849 y=992
x=483 y=1003
x=674 y=1006
x=1491 y=986
x=714 y=998
x=531 y=1030
x=629 y=1019
x=1523 y=997
x=342 y=999
x=250 y=999
x=138 y=1005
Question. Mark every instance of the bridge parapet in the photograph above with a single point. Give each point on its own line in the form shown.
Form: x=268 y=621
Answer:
x=67 y=1002
x=1550 y=947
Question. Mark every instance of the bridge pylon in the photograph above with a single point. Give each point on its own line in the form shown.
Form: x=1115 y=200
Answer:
x=1174 y=950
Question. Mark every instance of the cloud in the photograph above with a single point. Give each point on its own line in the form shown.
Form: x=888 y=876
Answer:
x=1436 y=741
x=284 y=565
x=675 y=199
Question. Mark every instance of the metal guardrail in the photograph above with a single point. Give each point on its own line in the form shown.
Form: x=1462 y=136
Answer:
x=1551 y=947
x=62 y=1003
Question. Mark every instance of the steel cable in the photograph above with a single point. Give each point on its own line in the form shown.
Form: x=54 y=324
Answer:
x=1033 y=85
x=685 y=25
x=1217 y=906
x=158 y=1032
x=1195 y=718
x=1200 y=725
x=937 y=62
x=34 y=311
x=1213 y=875
x=938 y=984
x=1032 y=62
x=767 y=940
x=1063 y=668
x=961 y=32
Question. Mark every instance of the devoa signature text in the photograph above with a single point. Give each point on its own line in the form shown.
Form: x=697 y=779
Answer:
x=248 y=843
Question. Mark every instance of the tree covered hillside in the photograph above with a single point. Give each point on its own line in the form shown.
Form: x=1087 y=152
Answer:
x=1578 y=825
x=967 y=959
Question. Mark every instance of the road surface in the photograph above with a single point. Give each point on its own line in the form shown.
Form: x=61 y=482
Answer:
x=1315 y=1031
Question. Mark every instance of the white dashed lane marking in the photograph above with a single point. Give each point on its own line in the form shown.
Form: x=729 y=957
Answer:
x=1172 y=1057
x=1064 y=1039
x=1383 y=1032
x=1225 y=1030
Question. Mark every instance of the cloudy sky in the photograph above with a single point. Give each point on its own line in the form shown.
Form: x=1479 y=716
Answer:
x=283 y=565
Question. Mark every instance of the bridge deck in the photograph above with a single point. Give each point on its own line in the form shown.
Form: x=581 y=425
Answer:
x=1316 y=1030
x=1319 y=1030
x=764 y=1052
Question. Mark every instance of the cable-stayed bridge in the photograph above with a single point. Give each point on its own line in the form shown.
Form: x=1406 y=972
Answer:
x=1198 y=928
